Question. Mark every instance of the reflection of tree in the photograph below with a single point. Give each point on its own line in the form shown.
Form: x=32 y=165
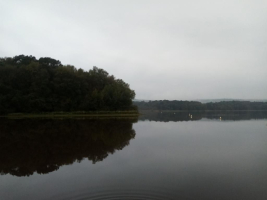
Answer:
x=166 y=116
x=42 y=146
x=236 y=115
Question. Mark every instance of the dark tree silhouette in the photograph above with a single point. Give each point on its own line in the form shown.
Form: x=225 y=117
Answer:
x=29 y=85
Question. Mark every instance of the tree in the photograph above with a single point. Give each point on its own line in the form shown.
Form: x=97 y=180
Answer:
x=45 y=85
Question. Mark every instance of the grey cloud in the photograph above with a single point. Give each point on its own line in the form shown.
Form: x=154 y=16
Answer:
x=163 y=49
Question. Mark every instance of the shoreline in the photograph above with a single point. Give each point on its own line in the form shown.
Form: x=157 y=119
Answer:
x=82 y=115
x=202 y=111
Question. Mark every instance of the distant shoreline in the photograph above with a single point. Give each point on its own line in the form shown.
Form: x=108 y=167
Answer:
x=109 y=114
x=198 y=106
x=202 y=110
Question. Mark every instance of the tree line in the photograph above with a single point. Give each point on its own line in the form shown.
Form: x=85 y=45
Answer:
x=31 y=85
x=195 y=105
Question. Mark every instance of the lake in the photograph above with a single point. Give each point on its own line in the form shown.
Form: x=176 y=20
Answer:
x=161 y=155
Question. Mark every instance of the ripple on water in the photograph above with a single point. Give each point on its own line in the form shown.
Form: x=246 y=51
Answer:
x=125 y=194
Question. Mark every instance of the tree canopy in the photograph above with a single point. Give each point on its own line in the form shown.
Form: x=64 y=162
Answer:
x=30 y=85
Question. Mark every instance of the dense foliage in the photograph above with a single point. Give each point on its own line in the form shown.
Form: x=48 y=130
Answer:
x=45 y=85
x=194 y=105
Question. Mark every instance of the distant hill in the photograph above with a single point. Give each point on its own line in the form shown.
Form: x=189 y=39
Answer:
x=210 y=100
x=219 y=100
x=139 y=100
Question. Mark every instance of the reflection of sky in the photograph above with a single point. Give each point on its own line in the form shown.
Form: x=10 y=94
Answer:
x=197 y=159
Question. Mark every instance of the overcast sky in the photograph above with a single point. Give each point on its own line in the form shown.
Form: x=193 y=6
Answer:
x=169 y=49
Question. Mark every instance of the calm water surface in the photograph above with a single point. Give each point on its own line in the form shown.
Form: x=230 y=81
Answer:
x=161 y=156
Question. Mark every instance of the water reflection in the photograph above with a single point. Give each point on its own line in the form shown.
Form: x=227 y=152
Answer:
x=166 y=116
x=42 y=146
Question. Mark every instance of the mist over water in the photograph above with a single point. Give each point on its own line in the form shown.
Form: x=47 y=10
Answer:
x=161 y=156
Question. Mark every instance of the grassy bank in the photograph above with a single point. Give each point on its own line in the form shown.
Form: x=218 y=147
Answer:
x=79 y=114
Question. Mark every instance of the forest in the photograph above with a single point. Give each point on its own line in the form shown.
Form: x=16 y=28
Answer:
x=195 y=105
x=30 y=85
